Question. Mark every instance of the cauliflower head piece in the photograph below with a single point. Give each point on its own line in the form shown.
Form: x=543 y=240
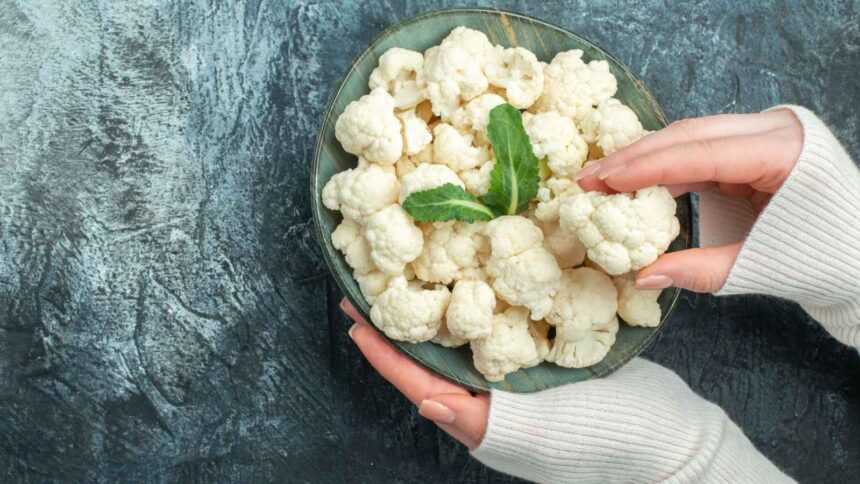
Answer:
x=565 y=246
x=455 y=150
x=518 y=72
x=397 y=73
x=477 y=180
x=549 y=199
x=409 y=313
x=450 y=250
x=587 y=298
x=637 y=307
x=470 y=314
x=622 y=232
x=451 y=75
x=393 y=238
x=509 y=347
x=368 y=128
x=578 y=348
x=426 y=177
x=524 y=272
x=573 y=88
x=447 y=339
x=556 y=138
x=612 y=126
x=361 y=192
x=475 y=116
x=349 y=239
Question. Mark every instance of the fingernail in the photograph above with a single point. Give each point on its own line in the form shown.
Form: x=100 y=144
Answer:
x=435 y=411
x=351 y=330
x=587 y=171
x=611 y=171
x=343 y=303
x=654 y=282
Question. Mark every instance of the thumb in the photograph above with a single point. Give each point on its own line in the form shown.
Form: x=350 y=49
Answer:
x=462 y=416
x=698 y=270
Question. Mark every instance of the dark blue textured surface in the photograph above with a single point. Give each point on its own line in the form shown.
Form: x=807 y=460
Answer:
x=165 y=313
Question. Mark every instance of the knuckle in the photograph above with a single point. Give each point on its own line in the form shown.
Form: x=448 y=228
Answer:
x=690 y=128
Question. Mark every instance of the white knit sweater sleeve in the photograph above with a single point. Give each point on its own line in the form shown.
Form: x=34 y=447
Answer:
x=642 y=423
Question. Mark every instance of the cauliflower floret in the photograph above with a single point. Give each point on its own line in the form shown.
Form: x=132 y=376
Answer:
x=475 y=116
x=360 y=192
x=470 y=314
x=587 y=298
x=518 y=72
x=368 y=128
x=450 y=75
x=347 y=238
x=416 y=134
x=578 y=348
x=397 y=73
x=556 y=138
x=524 y=272
x=477 y=180
x=612 y=126
x=637 y=307
x=565 y=246
x=549 y=200
x=445 y=338
x=622 y=232
x=509 y=347
x=426 y=177
x=473 y=41
x=393 y=238
x=449 y=250
x=372 y=284
x=452 y=148
x=573 y=88
x=408 y=313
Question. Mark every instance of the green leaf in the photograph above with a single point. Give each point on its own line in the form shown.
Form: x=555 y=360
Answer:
x=515 y=178
x=447 y=202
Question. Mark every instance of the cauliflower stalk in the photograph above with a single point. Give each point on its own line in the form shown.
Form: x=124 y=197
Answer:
x=461 y=220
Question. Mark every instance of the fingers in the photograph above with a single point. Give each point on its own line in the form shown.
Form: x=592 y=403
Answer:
x=463 y=416
x=415 y=382
x=697 y=270
x=757 y=150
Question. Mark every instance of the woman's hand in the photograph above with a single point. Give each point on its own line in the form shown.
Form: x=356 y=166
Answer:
x=455 y=410
x=742 y=155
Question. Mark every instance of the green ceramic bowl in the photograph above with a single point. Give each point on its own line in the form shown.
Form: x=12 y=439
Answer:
x=508 y=29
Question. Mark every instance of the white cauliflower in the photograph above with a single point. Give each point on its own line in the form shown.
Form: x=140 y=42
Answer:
x=555 y=138
x=416 y=134
x=524 y=272
x=573 y=88
x=565 y=246
x=470 y=314
x=475 y=116
x=397 y=73
x=622 y=232
x=587 y=298
x=393 y=238
x=477 y=180
x=372 y=284
x=347 y=238
x=509 y=347
x=578 y=348
x=473 y=41
x=612 y=126
x=409 y=313
x=368 y=128
x=637 y=307
x=447 y=339
x=550 y=198
x=360 y=192
x=426 y=177
x=518 y=72
x=453 y=148
x=450 y=75
x=449 y=249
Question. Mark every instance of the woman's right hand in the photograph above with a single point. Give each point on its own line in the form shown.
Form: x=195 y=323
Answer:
x=742 y=155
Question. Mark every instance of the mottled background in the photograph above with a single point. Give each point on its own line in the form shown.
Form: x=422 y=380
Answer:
x=166 y=315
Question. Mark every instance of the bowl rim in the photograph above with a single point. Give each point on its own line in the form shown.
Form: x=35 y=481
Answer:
x=329 y=112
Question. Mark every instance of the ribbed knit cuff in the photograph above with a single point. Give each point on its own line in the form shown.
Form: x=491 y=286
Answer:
x=640 y=424
x=805 y=245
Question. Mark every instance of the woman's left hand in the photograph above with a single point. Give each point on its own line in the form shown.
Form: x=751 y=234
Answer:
x=453 y=408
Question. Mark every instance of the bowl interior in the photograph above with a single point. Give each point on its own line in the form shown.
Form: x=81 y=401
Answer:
x=545 y=41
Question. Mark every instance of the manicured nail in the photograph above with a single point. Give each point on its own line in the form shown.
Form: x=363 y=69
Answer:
x=351 y=330
x=654 y=282
x=611 y=171
x=343 y=303
x=588 y=171
x=435 y=411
